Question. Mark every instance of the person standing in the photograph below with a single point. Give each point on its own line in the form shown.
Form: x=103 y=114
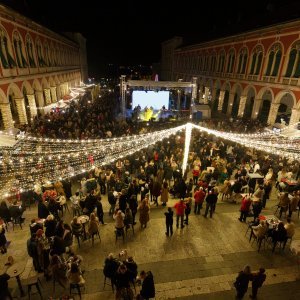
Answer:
x=148 y=287
x=100 y=212
x=180 y=207
x=245 y=208
x=211 y=200
x=242 y=281
x=257 y=281
x=199 y=197
x=188 y=209
x=169 y=221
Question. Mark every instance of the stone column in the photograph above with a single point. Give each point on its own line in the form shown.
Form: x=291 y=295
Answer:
x=242 y=105
x=66 y=88
x=213 y=94
x=47 y=96
x=206 y=94
x=62 y=90
x=178 y=99
x=194 y=90
x=7 y=118
x=255 y=109
x=20 y=104
x=200 y=94
x=53 y=93
x=273 y=113
x=221 y=100
x=230 y=103
x=32 y=105
x=295 y=116
x=40 y=98
x=58 y=92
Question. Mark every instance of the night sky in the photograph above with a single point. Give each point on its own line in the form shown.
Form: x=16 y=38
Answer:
x=130 y=31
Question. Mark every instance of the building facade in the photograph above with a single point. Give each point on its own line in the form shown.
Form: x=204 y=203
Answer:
x=37 y=67
x=252 y=75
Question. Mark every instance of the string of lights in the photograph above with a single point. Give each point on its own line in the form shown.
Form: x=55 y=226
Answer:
x=20 y=171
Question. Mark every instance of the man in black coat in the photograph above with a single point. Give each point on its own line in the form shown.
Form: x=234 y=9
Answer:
x=148 y=288
x=257 y=281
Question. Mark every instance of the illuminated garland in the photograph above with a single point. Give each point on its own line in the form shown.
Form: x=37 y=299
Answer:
x=34 y=159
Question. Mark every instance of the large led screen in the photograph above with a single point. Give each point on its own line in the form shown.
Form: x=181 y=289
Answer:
x=150 y=98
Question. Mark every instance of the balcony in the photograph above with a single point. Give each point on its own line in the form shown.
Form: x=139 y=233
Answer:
x=290 y=81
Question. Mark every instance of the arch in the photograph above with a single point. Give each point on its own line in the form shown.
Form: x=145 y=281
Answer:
x=3 y=97
x=237 y=91
x=267 y=96
x=263 y=90
x=248 y=88
x=226 y=86
x=237 y=88
x=281 y=94
x=28 y=87
x=45 y=83
x=250 y=94
x=56 y=80
x=51 y=81
x=14 y=89
x=217 y=84
x=36 y=85
x=14 y=92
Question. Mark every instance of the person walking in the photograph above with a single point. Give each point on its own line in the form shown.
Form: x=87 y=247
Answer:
x=169 y=221
x=199 y=196
x=257 y=281
x=180 y=207
x=242 y=281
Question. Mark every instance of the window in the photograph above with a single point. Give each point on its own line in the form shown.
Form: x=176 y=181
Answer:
x=230 y=63
x=243 y=57
x=293 y=68
x=221 y=62
x=5 y=51
x=30 y=53
x=18 y=47
x=274 y=60
x=257 y=55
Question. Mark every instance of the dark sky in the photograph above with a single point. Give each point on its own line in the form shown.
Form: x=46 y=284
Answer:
x=130 y=31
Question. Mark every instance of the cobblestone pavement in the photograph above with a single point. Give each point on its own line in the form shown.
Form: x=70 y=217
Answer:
x=200 y=261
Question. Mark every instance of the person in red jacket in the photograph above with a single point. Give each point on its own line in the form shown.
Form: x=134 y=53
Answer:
x=180 y=207
x=199 y=197
x=245 y=208
x=196 y=173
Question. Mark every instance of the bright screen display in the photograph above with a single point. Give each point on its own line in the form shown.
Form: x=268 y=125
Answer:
x=150 y=98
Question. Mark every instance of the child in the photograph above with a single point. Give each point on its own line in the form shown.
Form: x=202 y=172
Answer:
x=169 y=221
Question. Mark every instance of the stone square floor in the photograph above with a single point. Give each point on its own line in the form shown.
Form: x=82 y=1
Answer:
x=200 y=261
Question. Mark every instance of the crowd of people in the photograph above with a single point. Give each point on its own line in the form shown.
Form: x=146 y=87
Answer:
x=217 y=170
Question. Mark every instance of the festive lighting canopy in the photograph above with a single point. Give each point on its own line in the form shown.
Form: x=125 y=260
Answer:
x=43 y=160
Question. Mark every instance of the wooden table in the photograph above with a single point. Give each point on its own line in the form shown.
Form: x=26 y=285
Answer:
x=15 y=271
